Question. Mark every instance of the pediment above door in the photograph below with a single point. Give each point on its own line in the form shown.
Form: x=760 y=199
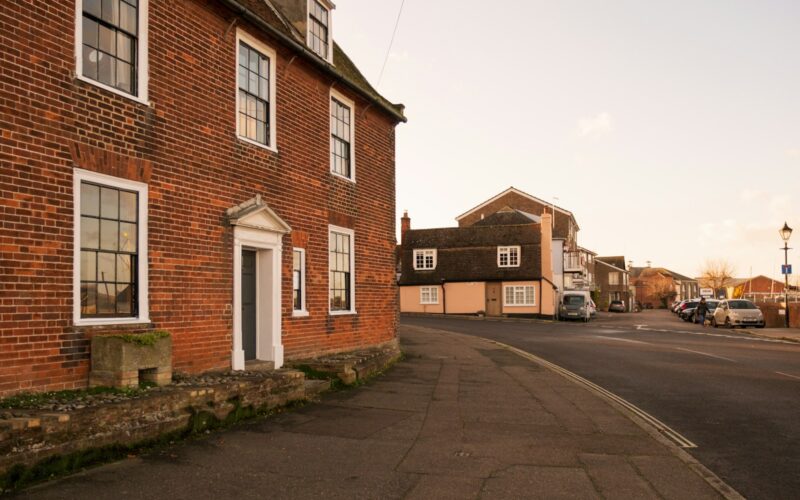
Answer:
x=256 y=214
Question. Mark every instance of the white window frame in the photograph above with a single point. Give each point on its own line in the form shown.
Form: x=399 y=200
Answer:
x=326 y=6
x=343 y=230
x=79 y=176
x=142 y=69
x=615 y=275
x=432 y=295
x=266 y=50
x=507 y=251
x=424 y=251
x=335 y=94
x=303 y=311
x=514 y=303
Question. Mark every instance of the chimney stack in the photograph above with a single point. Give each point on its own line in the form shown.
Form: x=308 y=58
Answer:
x=405 y=225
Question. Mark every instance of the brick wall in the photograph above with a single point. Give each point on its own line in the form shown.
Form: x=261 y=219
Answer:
x=184 y=147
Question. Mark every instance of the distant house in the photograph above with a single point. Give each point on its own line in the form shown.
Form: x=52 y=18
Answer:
x=613 y=283
x=758 y=289
x=657 y=286
x=566 y=255
x=499 y=265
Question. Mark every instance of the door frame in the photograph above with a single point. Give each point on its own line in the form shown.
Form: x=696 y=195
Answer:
x=268 y=248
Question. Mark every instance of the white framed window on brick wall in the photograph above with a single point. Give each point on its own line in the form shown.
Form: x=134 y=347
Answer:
x=519 y=295
x=343 y=136
x=111 y=45
x=613 y=278
x=255 y=91
x=341 y=270
x=508 y=256
x=320 y=29
x=429 y=295
x=424 y=259
x=299 y=282
x=110 y=256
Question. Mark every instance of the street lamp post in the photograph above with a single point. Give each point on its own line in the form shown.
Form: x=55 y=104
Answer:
x=786 y=233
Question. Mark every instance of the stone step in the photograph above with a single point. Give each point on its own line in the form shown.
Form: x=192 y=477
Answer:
x=316 y=387
x=256 y=365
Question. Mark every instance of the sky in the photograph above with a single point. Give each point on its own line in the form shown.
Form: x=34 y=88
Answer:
x=670 y=129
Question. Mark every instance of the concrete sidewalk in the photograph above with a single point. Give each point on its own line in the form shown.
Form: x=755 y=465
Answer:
x=792 y=334
x=459 y=418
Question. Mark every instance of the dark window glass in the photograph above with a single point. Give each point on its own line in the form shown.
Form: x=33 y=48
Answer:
x=254 y=95
x=297 y=280
x=340 y=138
x=339 y=263
x=110 y=29
x=318 y=29
x=109 y=251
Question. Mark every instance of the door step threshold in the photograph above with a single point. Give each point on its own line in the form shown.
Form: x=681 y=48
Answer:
x=257 y=365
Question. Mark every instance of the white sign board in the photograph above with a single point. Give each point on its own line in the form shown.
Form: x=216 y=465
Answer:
x=707 y=292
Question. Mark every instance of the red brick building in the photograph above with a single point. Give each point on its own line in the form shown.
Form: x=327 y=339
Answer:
x=217 y=169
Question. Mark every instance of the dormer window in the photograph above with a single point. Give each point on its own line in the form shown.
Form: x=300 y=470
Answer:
x=508 y=256
x=425 y=259
x=319 y=29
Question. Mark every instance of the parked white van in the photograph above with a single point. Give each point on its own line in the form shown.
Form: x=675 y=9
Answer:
x=576 y=305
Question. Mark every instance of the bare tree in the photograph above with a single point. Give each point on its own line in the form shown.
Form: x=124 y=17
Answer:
x=717 y=274
x=663 y=290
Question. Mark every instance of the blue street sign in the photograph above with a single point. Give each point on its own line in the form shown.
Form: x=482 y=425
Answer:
x=786 y=269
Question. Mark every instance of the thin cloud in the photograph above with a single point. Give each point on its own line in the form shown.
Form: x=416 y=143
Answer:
x=595 y=126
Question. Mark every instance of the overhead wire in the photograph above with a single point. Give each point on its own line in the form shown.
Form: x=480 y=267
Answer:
x=391 y=42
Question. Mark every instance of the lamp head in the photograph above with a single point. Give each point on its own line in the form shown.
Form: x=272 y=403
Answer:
x=785 y=232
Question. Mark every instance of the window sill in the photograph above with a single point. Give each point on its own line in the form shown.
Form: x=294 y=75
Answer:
x=342 y=313
x=348 y=179
x=429 y=303
x=425 y=269
x=256 y=143
x=300 y=314
x=112 y=90
x=519 y=305
x=508 y=267
x=110 y=321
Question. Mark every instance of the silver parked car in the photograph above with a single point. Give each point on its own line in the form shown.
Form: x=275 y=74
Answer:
x=737 y=312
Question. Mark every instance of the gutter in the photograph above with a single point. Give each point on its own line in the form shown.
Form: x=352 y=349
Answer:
x=325 y=67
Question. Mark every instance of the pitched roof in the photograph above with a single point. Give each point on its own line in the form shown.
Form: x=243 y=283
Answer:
x=646 y=271
x=508 y=217
x=616 y=261
x=612 y=266
x=512 y=189
x=470 y=254
x=265 y=15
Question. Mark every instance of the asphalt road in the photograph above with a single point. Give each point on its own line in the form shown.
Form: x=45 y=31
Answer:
x=737 y=397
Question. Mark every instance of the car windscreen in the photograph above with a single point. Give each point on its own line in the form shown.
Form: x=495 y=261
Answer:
x=741 y=304
x=573 y=300
x=712 y=304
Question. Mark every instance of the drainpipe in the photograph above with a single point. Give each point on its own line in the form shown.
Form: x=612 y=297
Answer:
x=444 y=299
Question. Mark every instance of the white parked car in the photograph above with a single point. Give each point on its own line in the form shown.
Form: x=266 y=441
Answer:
x=737 y=312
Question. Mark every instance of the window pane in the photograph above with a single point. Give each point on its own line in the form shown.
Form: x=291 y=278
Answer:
x=106 y=298
x=124 y=47
x=124 y=296
x=109 y=234
x=251 y=106
x=88 y=266
x=108 y=41
x=106 y=266
x=251 y=128
x=252 y=86
x=90 y=233
x=111 y=11
x=92 y=7
x=127 y=237
x=105 y=69
x=263 y=69
x=261 y=111
x=89 y=62
x=109 y=203
x=127 y=18
x=243 y=52
x=253 y=62
x=88 y=298
x=261 y=132
x=90 y=32
x=123 y=268
x=242 y=78
x=124 y=76
x=90 y=199
x=127 y=206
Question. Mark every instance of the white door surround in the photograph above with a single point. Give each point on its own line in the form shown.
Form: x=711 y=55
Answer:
x=256 y=227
